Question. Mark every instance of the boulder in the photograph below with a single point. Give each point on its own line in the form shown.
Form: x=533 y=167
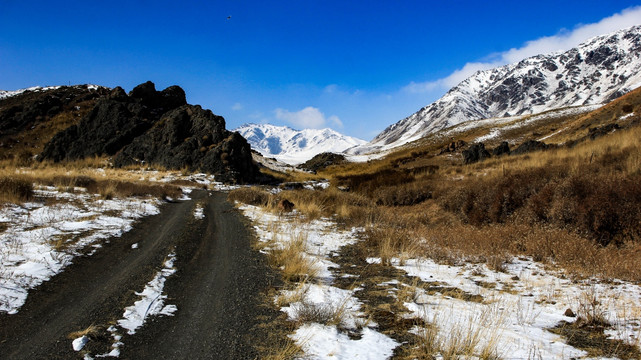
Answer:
x=503 y=148
x=285 y=206
x=475 y=153
x=599 y=131
x=529 y=146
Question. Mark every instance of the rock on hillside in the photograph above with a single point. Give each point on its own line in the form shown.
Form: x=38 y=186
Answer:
x=192 y=137
x=114 y=122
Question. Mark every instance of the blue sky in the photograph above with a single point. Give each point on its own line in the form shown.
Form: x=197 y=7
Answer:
x=354 y=66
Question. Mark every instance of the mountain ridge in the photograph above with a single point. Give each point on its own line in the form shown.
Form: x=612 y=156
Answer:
x=604 y=67
x=295 y=146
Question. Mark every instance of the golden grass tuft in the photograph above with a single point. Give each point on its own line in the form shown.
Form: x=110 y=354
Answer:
x=15 y=189
x=291 y=259
x=92 y=332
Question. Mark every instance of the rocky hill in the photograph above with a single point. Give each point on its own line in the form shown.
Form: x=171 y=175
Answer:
x=29 y=117
x=144 y=126
x=295 y=146
x=596 y=72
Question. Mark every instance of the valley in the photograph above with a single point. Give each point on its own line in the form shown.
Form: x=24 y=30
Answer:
x=499 y=222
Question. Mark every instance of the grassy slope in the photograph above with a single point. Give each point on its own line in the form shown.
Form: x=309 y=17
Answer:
x=571 y=206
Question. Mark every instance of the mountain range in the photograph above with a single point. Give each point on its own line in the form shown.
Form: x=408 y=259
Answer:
x=596 y=72
x=295 y=146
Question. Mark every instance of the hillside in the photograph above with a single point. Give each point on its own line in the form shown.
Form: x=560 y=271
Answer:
x=599 y=70
x=142 y=127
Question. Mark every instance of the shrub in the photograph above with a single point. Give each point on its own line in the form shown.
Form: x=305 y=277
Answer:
x=15 y=190
x=252 y=196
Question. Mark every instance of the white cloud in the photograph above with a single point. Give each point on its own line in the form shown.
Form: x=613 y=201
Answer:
x=237 y=106
x=336 y=121
x=562 y=41
x=307 y=118
x=330 y=89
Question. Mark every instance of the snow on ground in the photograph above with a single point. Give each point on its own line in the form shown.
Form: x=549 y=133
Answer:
x=151 y=303
x=152 y=300
x=510 y=316
x=330 y=308
x=518 y=306
x=42 y=238
x=199 y=212
x=6 y=94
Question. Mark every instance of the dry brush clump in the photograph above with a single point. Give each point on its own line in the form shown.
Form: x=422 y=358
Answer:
x=15 y=189
x=253 y=196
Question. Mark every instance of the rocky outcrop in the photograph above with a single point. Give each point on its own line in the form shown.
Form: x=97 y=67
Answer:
x=156 y=127
x=322 y=161
x=194 y=138
x=599 y=131
x=529 y=146
x=453 y=147
x=475 y=153
x=502 y=149
x=114 y=122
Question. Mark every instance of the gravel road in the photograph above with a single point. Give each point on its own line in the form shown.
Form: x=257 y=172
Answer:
x=217 y=289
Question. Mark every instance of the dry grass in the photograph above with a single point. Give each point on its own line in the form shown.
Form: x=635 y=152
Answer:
x=574 y=207
x=327 y=314
x=285 y=350
x=92 y=332
x=291 y=259
x=15 y=189
x=17 y=182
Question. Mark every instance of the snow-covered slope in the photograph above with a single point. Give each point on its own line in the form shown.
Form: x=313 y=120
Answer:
x=295 y=146
x=10 y=93
x=597 y=71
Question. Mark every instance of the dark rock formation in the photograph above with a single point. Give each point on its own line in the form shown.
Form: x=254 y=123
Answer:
x=504 y=148
x=529 y=146
x=475 y=153
x=599 y=131
x=156 y=127
x=192 y=137
x=114 y=122
x=322 y=161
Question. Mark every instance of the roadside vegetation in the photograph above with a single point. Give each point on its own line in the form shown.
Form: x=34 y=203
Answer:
x=573 y=208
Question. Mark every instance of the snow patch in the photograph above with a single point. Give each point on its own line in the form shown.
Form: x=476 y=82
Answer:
x=152 y=300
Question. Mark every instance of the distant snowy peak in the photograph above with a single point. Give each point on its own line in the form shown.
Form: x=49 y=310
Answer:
x=595 y=72
x=295 y=146
x=10 y=93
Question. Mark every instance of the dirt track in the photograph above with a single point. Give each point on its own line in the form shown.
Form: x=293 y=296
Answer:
x=216 y=289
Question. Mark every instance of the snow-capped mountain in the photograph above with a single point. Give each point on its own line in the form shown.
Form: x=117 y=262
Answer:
x=597 y=71
x=295 y=146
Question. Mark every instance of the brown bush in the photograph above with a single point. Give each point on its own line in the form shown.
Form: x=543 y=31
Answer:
x=592 y=203
x=15 y=190
x=402 y=195
x=368 y=183
x=127 y=188
x=252 y=196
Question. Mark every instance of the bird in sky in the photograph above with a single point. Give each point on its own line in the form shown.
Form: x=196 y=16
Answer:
x=229 y=17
